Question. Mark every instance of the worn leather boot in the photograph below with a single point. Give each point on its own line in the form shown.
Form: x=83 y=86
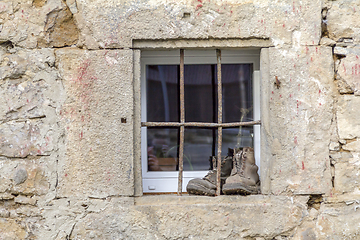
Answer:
x=244 y=179
x=207 y=185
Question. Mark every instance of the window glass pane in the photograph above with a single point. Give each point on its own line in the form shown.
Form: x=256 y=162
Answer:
x=200 y=144
x=233 y=139
x=200 y=93
x=162 y=149
x=237 y=92
x=198 y=147
x=162 y=93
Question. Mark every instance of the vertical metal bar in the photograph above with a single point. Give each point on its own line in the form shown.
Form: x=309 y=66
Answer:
x=182 y=120
x=218 y=172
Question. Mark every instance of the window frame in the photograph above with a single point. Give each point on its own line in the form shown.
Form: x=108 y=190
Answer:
x=203 y=56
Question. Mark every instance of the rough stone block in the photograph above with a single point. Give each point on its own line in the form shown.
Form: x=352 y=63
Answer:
x=193 y=217
x=348 y=69
x=339 y=220
x=98 y=119
x=353 y=146
x=342 y=20
x=348 y=120
x=37 y=181
x=119 y=23
x=25 y=200
x=21 y=139
x=347 y=168
x=347 y=179
x=30 y=24
x=298 y=119
x=11 y=229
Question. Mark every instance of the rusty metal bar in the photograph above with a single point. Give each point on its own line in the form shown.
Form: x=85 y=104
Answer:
x=199 y=124
x=182 y=120
x=219 y=82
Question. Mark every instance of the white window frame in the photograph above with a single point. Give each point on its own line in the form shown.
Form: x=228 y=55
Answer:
x=153 y=181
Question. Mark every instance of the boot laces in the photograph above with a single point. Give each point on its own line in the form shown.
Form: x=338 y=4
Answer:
x=210 y=173
x=239 y=164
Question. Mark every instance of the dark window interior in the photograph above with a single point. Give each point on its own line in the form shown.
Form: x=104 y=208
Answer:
x=200 y=106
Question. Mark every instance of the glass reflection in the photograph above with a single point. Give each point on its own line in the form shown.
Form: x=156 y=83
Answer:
x=200 y=106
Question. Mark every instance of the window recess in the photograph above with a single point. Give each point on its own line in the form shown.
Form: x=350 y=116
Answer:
x=196 y=104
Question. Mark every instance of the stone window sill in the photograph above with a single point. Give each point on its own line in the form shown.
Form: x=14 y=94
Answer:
x=155 y=200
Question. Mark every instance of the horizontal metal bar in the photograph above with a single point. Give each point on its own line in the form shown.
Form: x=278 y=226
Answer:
x=199 y=124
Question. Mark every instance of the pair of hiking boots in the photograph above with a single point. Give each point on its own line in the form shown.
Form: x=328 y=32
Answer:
x=238 y=175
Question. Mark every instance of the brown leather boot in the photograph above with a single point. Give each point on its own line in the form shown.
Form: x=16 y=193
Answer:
x=207 y=185
x=244 y=179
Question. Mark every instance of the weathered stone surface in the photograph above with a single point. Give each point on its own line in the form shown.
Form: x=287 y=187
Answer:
x=353 y=146
x=66 y=160
x=21 y=139
x=175 y=217
x=60 y=29
x=99 y=152
x=10 y=229
x=37 y=181
x=342 y=20
x=298 y=119
x=339 y=220
x=348 y=69
x=327 y=41
x=31 y=97
x=347 y=167
x=347 y=178
x=25 y=200
x=37 y=23
x=118 y=23
x=348 y=121
x=20 y=176
x=334 y=146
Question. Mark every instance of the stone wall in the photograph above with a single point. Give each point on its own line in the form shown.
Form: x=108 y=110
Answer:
x=70 y=119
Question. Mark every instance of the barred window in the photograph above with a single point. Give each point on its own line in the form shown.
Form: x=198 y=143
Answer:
x=187 y=116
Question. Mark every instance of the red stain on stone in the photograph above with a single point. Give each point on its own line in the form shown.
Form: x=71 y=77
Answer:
x=283 y=25
x=319 y=91
x=200 y=1
x=66 y=174
x=303 y=166
x=81 y=135
x=198 y=6
x=272 y=92
x=290 y=95
x=280 y=95
x=295 y=140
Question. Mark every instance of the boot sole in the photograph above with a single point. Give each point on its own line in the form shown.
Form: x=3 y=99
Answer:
x=236 y=188
x=194 y=189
